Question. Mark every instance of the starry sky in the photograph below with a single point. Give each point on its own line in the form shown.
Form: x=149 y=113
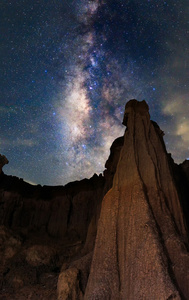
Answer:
x=67 y=69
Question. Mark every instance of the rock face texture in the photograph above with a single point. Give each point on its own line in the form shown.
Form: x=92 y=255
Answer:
x=55 y=211
x=120 y=235
x=41 y=229
x=140 y=249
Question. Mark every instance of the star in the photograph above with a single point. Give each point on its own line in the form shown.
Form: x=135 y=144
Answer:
x=68 y=69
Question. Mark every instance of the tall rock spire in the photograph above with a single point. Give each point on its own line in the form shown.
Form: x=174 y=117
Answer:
x=140 y=250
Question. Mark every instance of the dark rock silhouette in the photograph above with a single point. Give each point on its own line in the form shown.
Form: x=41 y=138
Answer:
x=3 y=161
x=70 y=243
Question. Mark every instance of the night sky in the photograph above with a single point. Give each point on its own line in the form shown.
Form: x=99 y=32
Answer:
x=67 y=69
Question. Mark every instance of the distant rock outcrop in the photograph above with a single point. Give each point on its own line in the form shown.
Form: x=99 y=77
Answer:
x=120 y=235
x=140 y=250
x=3 y=161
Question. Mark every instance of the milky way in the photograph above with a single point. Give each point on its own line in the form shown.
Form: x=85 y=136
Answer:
x=68 y=69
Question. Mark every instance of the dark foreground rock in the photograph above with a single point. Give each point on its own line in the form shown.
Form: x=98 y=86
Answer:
x=120 y=235
x=43 y=228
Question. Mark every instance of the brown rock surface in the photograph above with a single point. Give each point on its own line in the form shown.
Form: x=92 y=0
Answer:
x=140 y=250
x=58 y=212
x=68 y=285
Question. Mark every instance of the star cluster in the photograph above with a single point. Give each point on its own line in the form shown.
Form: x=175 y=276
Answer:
x=68 y=68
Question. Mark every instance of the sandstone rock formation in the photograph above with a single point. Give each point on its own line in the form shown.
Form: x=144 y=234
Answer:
x=70 y=243
x=140 y=250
